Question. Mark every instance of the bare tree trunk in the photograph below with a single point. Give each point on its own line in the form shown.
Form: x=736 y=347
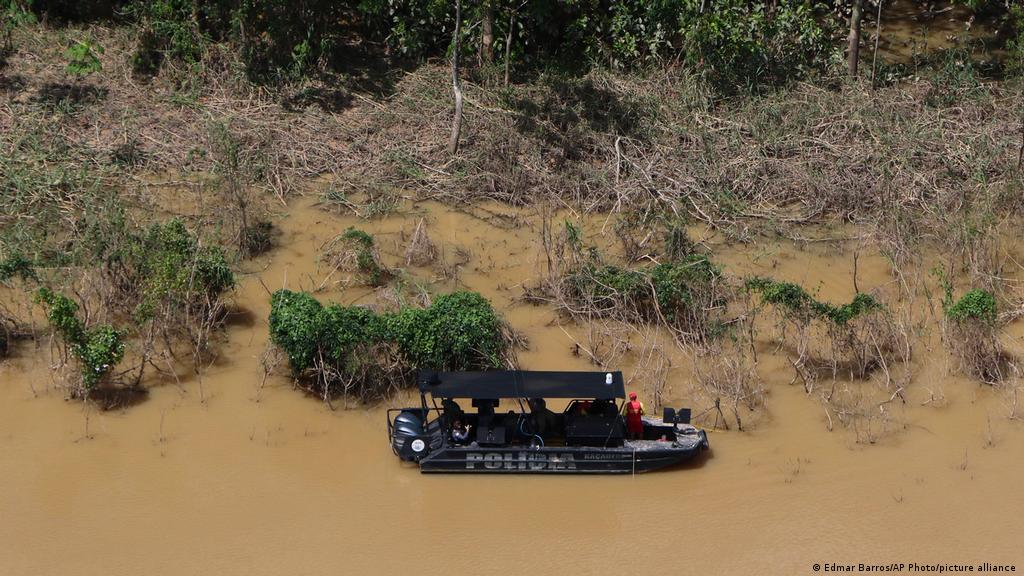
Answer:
x=1020 y=155
x=854 y=49
x=453 y=142
x=508 y=43
x=878 y=35
x=487 y=34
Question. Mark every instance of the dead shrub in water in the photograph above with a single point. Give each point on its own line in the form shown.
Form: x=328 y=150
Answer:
x=727 y=385
x=685 y=295
x=856 y=338
x=355 y=251
x=421 y=250
x=869 y=412
x=849 y=345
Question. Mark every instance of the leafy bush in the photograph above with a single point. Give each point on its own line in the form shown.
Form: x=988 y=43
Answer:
x=171 y=267
x=83 y=58
x=358 y=247
x=1015 y=46
x=976 y=305
x=681 y=293
x=98 y=349
x=973 y=335
x=13 y=13
x=168 y=28
x=17 y=265
x=856 y=337
x=796 y=300
x=459 y=331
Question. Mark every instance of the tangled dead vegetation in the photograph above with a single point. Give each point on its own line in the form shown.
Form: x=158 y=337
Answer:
x=686 y=293
x=727 y=386
x=420 y=251
x=606 y=142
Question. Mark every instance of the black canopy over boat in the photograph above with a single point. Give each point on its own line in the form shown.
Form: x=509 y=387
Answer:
x=588 y=436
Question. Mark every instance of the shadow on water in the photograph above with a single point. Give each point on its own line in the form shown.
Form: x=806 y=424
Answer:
x=116 y=398
x=240 y=317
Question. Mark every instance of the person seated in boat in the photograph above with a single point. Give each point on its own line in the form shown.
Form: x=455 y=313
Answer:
x=511 y=423
x=543 y=422
x=634 y=410
x=602 y=408
x=451 y=410
x=583 y=407
x=460 y=432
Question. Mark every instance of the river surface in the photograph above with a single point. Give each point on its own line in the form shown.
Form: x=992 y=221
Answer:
x=250 y=479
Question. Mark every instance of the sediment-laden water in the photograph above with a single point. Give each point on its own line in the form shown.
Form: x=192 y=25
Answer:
x=263 y=479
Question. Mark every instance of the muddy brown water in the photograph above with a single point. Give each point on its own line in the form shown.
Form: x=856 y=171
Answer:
x=269 y=481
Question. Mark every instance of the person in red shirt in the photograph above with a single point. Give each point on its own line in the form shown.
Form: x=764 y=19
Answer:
x=633 y=410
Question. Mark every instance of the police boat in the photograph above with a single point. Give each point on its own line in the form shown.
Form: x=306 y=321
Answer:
x=587 y=437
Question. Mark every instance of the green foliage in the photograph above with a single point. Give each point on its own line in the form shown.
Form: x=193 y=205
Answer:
x=13 y=14
x=954 y=77
x=173 y=267
x=98 y=349
x=99 y=352
x=296 y=326
x=674 y=284
x=168 y=28
x=459 y=331
x=62 y=315
x=83 y=58
x=366 y=257
x=976 y=305
x=796 y=301
x=1015 y=45
x=17 y=265
x=680 y=292
x=281 y=39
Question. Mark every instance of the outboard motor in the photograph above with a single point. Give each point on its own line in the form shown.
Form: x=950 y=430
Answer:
x=408 y=437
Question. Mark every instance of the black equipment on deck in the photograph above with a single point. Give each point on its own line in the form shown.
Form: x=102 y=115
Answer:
x=681 y=416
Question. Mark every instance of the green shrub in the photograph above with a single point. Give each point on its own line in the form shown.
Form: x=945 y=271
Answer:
x=682 y=293
x=167 y=28
x=172 y=267
x=83 y=58
x=976 y=305
x=13 y=14
x=17 y=265
x=361 y=245
x=795 y=300
x=98 y=349
x=459 y=331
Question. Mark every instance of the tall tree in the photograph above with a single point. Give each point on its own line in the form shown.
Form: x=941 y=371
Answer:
x=453 y=142
x=854 y=50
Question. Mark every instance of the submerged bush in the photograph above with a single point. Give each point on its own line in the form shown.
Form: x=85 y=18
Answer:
x=98 y=349
x=175 y=270
x=682 y=294
x=355 y=250
x=973 y=335
x=975 y=306
x=856 y=337
x=369 y=353
x=796 y=300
